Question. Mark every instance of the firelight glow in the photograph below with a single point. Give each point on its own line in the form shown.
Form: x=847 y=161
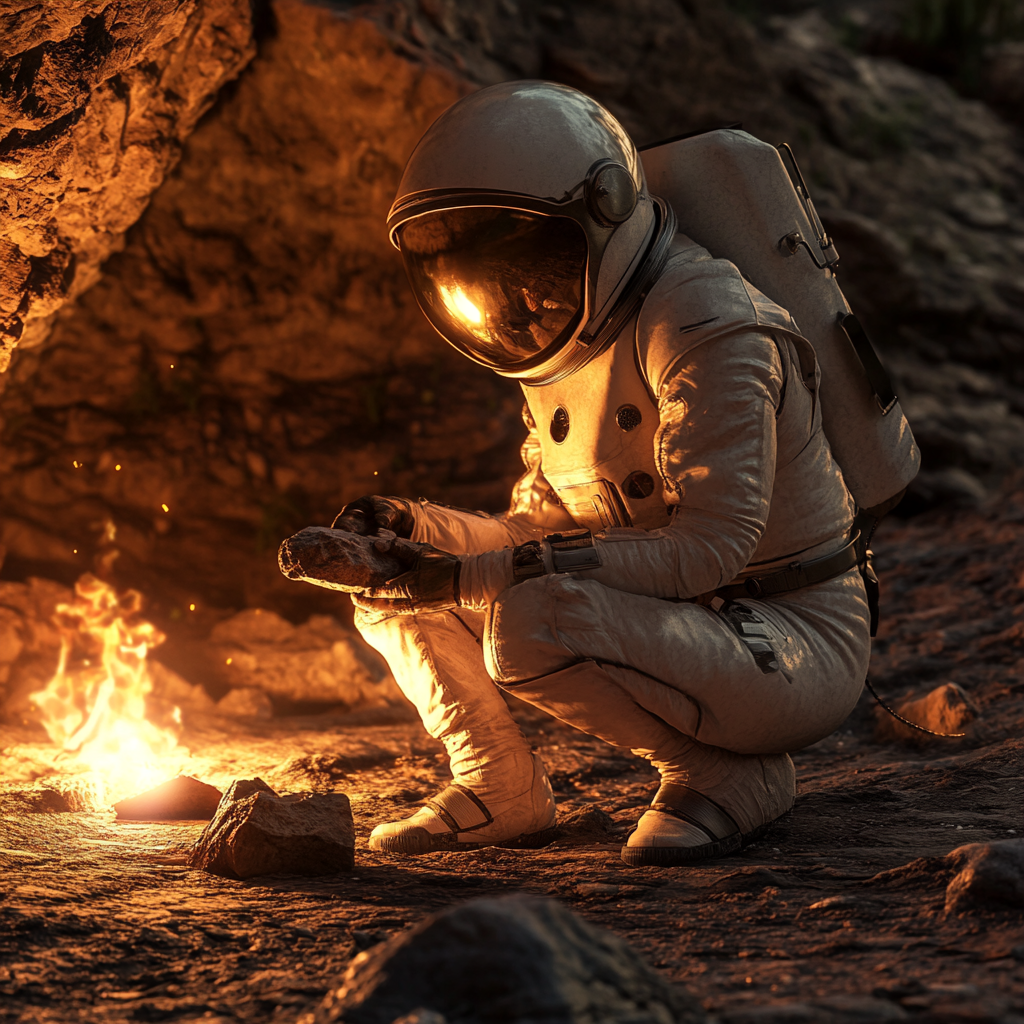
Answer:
x=459 y=304
x=94 y=707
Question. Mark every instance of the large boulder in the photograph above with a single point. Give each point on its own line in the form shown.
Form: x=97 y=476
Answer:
x=256 y=832
x=515 y=959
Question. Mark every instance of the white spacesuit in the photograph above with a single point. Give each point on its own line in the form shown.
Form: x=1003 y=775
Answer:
x=676 y=573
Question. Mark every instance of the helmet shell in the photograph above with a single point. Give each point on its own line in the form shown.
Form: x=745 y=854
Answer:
x=531 y=138
x=551 y=150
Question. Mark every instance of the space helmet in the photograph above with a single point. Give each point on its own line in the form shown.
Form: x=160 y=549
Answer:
x=526 y=228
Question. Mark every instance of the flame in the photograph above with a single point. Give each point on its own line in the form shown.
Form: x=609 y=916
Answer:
x=94 y=707
x=461 y=305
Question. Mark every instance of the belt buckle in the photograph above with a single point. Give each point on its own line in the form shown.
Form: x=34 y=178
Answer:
x=752 y=585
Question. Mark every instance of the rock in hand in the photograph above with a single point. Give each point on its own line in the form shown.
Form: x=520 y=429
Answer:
x=336 y=559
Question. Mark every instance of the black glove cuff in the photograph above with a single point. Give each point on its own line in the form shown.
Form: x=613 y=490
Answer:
x=527 y=561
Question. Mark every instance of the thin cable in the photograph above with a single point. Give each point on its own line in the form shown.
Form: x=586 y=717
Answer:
x=906 y=721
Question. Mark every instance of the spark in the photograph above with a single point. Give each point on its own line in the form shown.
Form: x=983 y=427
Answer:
x=118 y=467
x=228 y=662
x=191 y=607
x=165 y=508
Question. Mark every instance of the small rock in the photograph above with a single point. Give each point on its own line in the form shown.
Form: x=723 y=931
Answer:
x=586 y=825
x=947 y=709
x=980 y=209
x=513 y=959
x=847 y=904
x=856 y=1009
x=421 y=1016
x=256 y=832
x=181 y=799
x=990 y=875
x=597 y=889
x=36 y=801
x=246 y=703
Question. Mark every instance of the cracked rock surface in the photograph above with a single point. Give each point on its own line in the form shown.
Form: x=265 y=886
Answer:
x=96 y=99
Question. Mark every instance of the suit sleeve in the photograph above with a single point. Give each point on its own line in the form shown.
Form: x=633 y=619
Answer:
x=716 y=454
x=533 y=512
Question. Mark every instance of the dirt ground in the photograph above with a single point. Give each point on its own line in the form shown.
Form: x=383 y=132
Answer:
x=836 y=914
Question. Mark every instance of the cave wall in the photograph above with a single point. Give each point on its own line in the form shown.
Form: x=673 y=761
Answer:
x=96 y=99
x=252 y=359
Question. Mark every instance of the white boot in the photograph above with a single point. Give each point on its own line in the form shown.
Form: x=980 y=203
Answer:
x=458 y=818
x=711 y=800
x=686 y=825
x=500 y=790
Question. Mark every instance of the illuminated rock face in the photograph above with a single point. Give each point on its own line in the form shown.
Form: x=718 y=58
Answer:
x=180 y=799
x=990 y=875
x=98 y=98
x=303 y=373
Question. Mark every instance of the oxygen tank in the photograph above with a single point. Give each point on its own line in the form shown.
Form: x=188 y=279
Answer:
x=733 y=195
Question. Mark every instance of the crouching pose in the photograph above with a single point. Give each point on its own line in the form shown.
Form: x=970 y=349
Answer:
x=677 y=572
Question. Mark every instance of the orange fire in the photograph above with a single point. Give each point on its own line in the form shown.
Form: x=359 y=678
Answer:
x=95 y=705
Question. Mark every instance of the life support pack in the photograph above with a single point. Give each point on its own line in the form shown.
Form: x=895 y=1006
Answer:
x=734 y=195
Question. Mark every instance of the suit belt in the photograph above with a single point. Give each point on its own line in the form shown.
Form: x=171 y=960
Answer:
x=793 y=577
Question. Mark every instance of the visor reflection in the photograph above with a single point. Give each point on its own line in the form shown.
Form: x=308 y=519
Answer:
x=505 y=286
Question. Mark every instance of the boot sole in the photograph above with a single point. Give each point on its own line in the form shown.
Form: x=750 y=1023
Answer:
x=417 y=841
x=677 y=856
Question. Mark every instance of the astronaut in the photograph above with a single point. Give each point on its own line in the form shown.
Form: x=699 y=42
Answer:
x=676 y=573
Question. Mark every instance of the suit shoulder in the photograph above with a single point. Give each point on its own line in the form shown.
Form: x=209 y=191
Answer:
x=696 y=299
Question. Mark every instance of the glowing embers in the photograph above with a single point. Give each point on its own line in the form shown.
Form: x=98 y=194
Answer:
x=94 y=707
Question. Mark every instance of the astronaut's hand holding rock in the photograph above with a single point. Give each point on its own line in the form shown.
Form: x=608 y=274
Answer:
x=338 y=559
x=368 y=515
x=428 y=582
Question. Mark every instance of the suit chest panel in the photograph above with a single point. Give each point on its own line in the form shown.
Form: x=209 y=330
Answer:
x=597 y=430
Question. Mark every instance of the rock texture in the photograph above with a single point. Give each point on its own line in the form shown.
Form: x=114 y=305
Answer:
x=96 y=99
x=320 y=661
x=256 y=832
x=336 y=559
x=822 y=920
x=991 y=875
x=514 y=959
x=180 y=799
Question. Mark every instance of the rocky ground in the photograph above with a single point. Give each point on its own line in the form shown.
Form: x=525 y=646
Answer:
x=837 y=914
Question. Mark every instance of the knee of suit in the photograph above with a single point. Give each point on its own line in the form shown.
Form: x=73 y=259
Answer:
x=521 y=639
